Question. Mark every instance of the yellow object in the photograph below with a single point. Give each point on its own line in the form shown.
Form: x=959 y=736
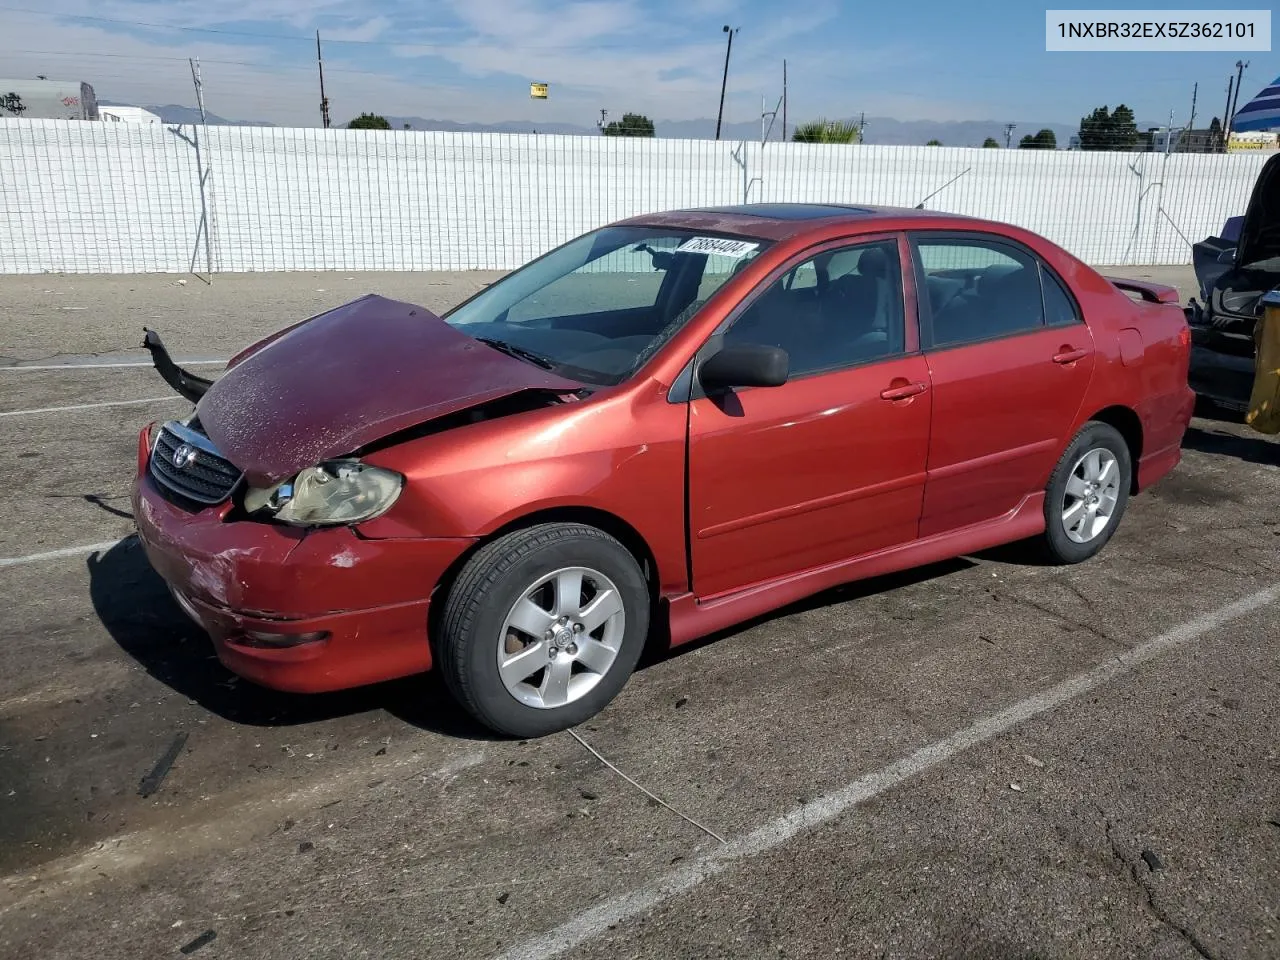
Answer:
x=1264 y=404
x=538 y=91
x=1265 y=141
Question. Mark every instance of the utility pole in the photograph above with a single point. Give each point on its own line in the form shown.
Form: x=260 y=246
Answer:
x=1241 y=66
x=1226 y=115
x=725 y=82
x=1008 y=134
x=862 y=127
x=324 y=101
x=202 y=161
x=195 y=78
x=604 y=115
x=1191 y=124
x=784 y=100
x=1168 y=134
x=771 y=115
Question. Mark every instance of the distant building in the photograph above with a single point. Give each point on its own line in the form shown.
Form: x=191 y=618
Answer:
x=1179 y=140
x=47 y=100
x=121 y=114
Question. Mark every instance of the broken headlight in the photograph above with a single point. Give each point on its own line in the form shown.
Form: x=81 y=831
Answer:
x=336 y=492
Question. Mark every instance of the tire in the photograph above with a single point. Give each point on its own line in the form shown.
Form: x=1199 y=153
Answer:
x=1075 y=537
x=506 y=605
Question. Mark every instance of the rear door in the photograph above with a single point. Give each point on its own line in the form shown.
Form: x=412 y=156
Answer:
x=832 y=463
x=1010 y=359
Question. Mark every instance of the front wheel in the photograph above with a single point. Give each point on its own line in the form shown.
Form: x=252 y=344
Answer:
x=543 y=627
x=1087 y=494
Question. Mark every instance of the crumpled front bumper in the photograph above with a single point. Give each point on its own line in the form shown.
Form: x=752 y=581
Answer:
x=304 y=611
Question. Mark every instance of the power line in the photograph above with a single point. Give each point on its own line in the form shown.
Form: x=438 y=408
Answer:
x=233 y=63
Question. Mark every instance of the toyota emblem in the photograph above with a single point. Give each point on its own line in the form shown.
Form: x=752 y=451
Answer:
x=184 y=456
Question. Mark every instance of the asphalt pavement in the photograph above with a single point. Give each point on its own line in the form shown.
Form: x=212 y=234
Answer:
x=983 y=759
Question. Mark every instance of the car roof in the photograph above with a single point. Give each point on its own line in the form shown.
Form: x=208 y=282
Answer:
x=779 y=221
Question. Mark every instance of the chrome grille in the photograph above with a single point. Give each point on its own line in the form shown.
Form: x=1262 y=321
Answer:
x=185 y=462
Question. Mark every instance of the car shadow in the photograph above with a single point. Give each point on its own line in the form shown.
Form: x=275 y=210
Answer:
x=1220 y=443
x=134 y=605
x=1208 y=410
x=658 y=650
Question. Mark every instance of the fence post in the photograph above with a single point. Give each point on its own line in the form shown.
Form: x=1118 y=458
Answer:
x=206 y=195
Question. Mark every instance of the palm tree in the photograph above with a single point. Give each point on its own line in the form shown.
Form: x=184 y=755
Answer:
x=828 y=131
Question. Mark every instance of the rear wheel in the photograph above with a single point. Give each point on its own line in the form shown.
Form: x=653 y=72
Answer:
x=543 y=627
x=1087 y=494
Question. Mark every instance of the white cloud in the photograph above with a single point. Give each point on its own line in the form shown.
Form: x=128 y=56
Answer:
x=463 y=59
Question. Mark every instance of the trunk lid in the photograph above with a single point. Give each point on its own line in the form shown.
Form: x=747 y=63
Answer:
x=343 y=379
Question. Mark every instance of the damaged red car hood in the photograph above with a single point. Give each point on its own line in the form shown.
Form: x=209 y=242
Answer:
x=349 y=377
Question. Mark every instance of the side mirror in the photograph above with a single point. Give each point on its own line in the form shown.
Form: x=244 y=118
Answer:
x=745 y=365
x=1227 y=256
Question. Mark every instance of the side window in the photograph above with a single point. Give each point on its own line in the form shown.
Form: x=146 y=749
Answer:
x=834 y=310
x=979 y=290
x=802 y=276
x=1059 y=308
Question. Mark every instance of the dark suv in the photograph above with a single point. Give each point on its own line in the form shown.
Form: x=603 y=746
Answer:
x=1234 y=272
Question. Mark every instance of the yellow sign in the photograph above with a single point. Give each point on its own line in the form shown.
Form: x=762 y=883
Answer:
x=1253 y=143
x=538 y=91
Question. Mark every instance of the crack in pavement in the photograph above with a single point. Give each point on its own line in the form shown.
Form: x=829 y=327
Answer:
x=1098 y=632
x=1155 y=910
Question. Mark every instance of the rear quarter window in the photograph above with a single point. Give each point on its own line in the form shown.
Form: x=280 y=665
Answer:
x=1059 y=308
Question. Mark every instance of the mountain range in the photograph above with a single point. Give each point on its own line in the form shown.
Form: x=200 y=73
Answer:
x=878 y=130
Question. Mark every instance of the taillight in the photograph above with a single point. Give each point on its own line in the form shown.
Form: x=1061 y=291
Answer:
x=1184 y=337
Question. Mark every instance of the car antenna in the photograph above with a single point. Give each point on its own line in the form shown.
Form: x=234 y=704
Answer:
x=920 y=205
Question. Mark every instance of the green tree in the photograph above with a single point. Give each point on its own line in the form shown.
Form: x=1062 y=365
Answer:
x=631 y=125
x=369 y=121
x=827 y=131
x=990 y=142
x=1108 y=130
x=1044 y=140
x=934 y=143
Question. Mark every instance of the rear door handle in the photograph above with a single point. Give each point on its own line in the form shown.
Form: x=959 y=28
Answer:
x=903 y=392
x=1070 y=356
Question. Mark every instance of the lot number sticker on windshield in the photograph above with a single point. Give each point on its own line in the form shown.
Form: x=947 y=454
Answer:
x=736 y=249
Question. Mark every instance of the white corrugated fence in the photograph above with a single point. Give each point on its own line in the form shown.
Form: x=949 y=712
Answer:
x=83 y=197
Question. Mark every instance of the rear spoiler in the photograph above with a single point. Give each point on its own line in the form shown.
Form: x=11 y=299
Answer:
x=1150 y=292
x=187 y=385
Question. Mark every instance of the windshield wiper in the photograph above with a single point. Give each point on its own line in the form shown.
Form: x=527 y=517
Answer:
x=520 y=353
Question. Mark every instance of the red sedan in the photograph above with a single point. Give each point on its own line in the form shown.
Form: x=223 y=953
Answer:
x=664 y=427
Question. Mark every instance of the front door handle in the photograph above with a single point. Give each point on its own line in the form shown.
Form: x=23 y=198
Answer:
x=903 y=391
x=1067 y=355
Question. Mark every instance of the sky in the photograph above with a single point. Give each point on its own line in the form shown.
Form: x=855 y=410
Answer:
x=473 y=60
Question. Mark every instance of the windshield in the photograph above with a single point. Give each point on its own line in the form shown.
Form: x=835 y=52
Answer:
x=597 y=308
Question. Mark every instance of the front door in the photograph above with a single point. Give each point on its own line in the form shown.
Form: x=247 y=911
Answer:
x=1010 y=359
x=831 y=464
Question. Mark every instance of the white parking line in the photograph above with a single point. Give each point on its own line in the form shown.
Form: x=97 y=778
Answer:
x=89 y=406
x=105 y=366
x=64 y=552
x=594 y=922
